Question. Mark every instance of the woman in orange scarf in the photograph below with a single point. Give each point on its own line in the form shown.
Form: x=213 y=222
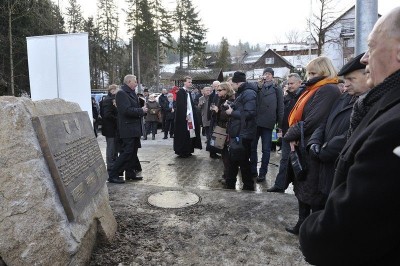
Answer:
x=312 y=108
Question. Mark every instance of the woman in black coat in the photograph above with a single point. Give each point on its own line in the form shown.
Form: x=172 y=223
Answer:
x=331 y=137
x=312 y=108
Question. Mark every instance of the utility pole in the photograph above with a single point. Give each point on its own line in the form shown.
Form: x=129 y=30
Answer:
x=132 y=65
x=366 y=16
x=309 y=28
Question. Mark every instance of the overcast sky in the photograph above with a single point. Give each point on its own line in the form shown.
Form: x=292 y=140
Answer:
x=253 y=21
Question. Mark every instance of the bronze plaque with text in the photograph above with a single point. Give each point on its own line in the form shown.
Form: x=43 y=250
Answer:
x=74 y=158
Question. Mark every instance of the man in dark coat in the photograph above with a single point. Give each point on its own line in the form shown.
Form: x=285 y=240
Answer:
x=360 y=222
x=163 y=102
x=242 y=125
x=270 y=108
x=329 y=138
x=292 y=94
x=130 y=130
x=109 y=129
x=187 y=126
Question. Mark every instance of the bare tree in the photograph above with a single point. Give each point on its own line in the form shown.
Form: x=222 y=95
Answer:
x=319 y=22
x=293 y=36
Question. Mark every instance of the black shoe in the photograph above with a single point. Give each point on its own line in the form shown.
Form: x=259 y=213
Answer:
x=294 y=230
x=116 y=180
x=214 y=156
x=145 y=138
x=165 y=137
x=153 y=137
x=134 y=178
x=276 y=189
x=260 y=178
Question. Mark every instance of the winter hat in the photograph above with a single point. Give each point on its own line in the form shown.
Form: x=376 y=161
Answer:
x=269 y=70
x=239 y=77
x=352 y=65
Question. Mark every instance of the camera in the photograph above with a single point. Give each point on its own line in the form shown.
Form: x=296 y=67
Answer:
x=226 y=105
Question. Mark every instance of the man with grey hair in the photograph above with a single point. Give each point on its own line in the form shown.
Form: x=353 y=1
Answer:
x=360 y=222
x=212 y=100
x=294 y=90
x=130 y=130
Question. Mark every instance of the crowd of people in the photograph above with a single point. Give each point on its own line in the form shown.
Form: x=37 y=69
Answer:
x=350 y=127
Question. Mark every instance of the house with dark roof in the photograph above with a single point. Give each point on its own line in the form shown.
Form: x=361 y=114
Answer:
x=254 y=63
x=200 y=77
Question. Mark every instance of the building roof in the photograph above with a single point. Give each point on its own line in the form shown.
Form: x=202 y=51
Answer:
x=198 y=74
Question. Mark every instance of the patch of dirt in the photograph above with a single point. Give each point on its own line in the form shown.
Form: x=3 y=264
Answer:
x=225 y=228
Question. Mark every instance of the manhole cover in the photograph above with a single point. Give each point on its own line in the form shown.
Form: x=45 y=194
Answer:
x=173 y=199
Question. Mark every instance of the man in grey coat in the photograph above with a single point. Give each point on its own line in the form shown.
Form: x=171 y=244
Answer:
x=269 y=113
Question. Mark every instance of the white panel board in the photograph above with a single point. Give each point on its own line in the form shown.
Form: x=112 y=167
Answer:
x=42 y=63
x=59 y=68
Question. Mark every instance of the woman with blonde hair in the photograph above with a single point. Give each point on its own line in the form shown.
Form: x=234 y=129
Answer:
x=226 y=94
x=311 y=109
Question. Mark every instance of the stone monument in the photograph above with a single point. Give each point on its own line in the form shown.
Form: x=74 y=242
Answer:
x=54 y=203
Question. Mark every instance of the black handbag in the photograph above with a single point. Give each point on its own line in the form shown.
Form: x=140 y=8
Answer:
x=298 y=159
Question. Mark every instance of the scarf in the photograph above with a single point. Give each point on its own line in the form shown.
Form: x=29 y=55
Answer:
x=190 y=117
x=363 y=105
x=297 y=111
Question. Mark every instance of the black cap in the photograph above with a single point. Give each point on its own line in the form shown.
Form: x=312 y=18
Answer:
x=269 y=70
x=353 y=64
x=146 y=90
x=239 y=77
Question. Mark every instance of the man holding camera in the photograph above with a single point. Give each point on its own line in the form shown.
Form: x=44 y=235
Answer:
x=270 y=113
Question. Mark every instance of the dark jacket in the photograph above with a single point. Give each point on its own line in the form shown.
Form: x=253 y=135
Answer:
x=315 y=112
x=163 y=102
x=129 y=113
x=360 y=222
x=221 y=119
x=244 y=107
x=269 y=106
x=109 y=117
x=169 y=115
x=331 y=135
x=289 y=100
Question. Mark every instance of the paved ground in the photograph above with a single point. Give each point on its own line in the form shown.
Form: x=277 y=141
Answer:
x=225 y=228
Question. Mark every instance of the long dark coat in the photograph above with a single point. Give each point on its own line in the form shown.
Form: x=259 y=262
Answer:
x=109 y=117
x=360 y=222
x=183 y=144
x=129 y=113
x=332 y=136
x=270 y=106
x=315 y=112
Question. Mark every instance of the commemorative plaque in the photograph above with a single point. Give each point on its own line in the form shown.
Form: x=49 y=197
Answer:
x=74 y=158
